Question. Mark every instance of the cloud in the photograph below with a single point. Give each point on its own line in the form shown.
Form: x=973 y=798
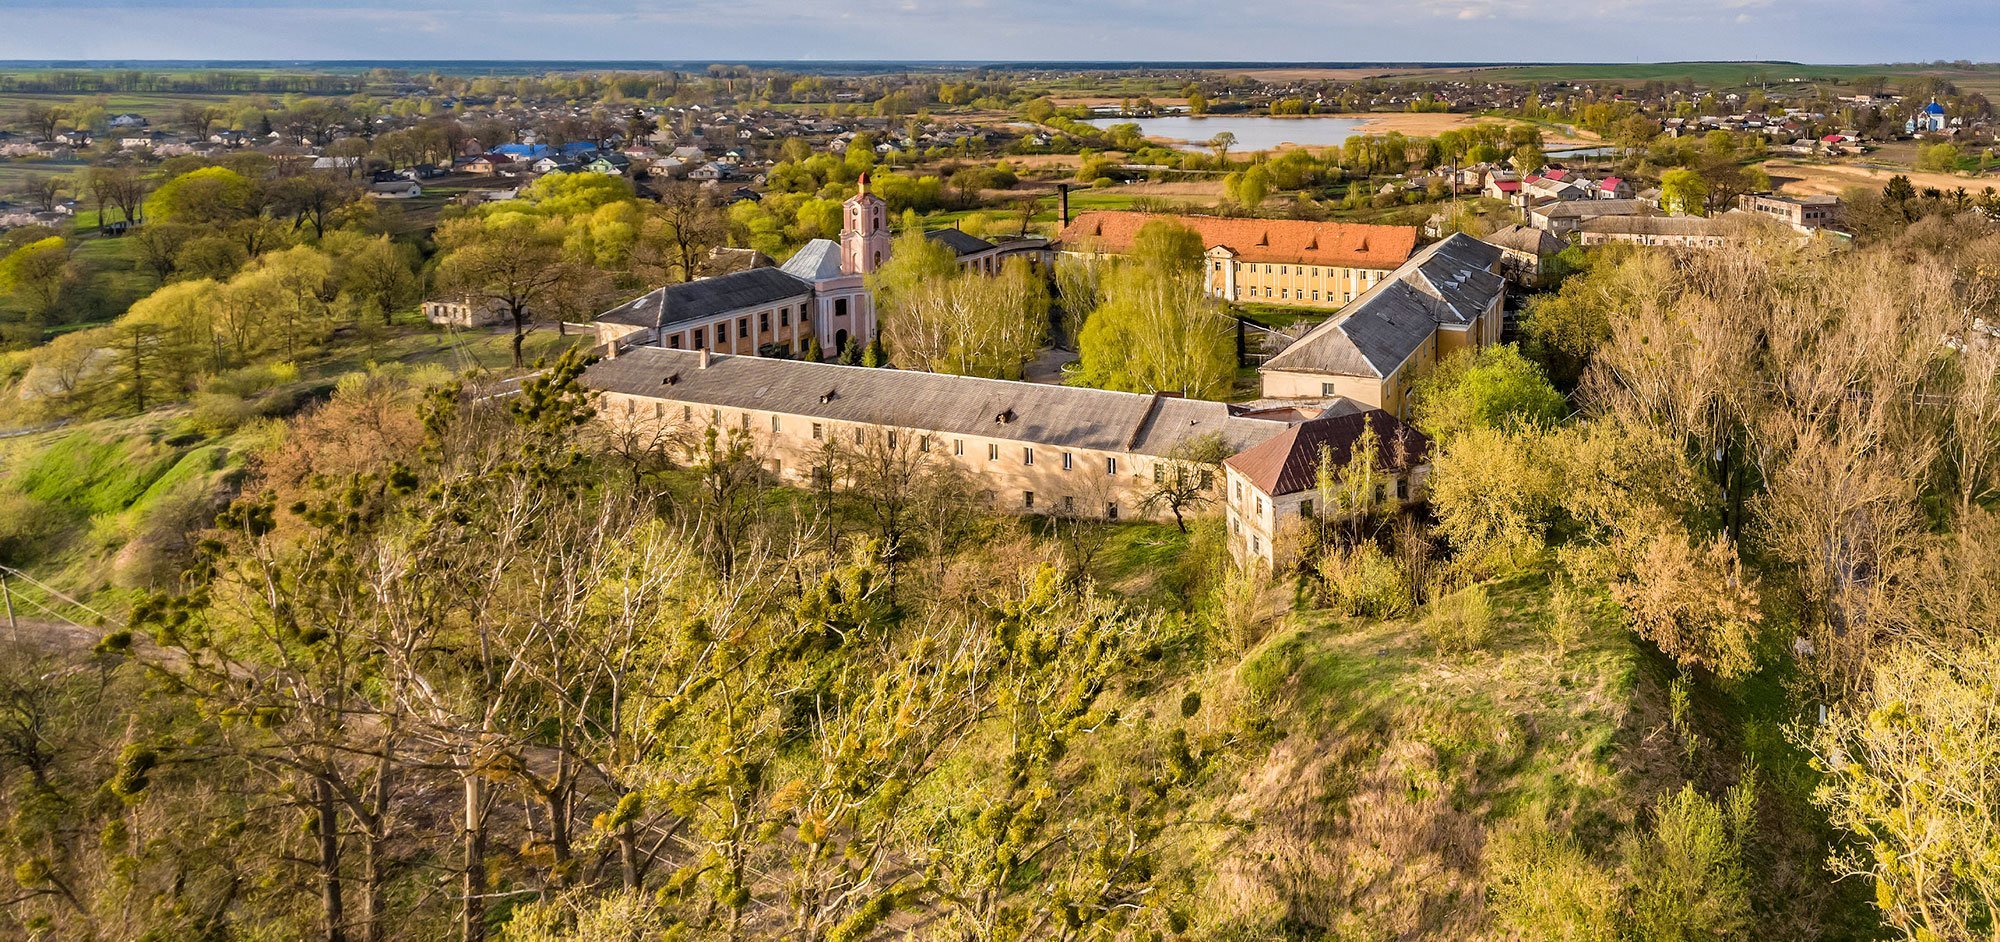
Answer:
x=989 y=30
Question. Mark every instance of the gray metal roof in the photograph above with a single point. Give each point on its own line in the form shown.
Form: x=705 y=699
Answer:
x=1450 y=282
x=818 y=260
x=708 y=297
x=960 y=243
x=1060 y=416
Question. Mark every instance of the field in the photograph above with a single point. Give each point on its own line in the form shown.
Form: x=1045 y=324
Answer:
x=159 y=108
x=1794 y=176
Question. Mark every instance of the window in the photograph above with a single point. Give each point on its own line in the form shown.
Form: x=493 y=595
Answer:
x=992 y=452
x=860 y=436
x=1206 y=480
x=1284 y=292
x=698 y=338
x=774 y=425
x=1159 y=472
x=1069 y=461
x=674 y=341
x=1111 y=465
x=659 y=410
x=687 y=413
x=1326 y=389
x=818 y=432
x=1069 y=504
x=743 y=327
x=764 y=322
x=1027 y=456
x=892 y=439
x=1028 y=499
x=1236 y=490
x=1260 y=506
x=631 y=406
x=958 y=447
x=1305 y=508
x=1381 y=493
x=784 y=317
x=745 y=421
x=1256 y=546
x=1402 y=488
x=1111 y=511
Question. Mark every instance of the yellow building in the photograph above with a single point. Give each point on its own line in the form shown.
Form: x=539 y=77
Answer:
x=1276 y=261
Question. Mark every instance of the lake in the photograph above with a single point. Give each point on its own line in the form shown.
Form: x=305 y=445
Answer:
x=1253 y=132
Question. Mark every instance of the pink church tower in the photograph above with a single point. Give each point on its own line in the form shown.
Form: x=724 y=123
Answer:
x=864 y=232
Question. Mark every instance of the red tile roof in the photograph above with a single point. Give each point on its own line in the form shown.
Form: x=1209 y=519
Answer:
x=1347 y=245
x=1289 y=462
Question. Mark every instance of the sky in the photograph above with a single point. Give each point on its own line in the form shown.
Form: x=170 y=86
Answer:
x=1818 y=31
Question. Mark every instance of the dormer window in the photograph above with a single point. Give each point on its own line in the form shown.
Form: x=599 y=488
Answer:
x=829 y=396
x=1004 y=417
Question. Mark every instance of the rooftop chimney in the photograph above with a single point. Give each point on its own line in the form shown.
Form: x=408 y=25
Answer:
x=701 y=363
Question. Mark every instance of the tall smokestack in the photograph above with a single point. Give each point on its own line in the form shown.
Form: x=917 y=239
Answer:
x=1062 y=198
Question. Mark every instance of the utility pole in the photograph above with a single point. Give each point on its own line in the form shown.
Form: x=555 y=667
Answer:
x=7 y=596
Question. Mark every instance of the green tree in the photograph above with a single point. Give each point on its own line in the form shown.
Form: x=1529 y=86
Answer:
x=1683 y=192
x=1493 y=387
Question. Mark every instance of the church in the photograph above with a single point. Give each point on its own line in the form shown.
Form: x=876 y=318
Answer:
x=819 y=294
x=818 y=298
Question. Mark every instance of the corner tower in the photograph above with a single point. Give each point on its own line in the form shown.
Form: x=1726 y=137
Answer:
x=864 y=232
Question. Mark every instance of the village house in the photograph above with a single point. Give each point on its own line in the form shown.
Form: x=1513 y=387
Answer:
x=1283 y=261
x=464 y=312
x=1803 y=213
x=1522 y=251
x=1563 y=217
x=1446 y=298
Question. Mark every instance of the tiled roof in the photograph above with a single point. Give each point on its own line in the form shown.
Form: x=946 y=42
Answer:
x=1061 y=416
x=1451 y=282
x=1526 y=239
x=708 y=297
x=1346 y=245
x=1289 y=461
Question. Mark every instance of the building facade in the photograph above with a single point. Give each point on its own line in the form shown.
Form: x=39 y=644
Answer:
x=1449 y=297
x=818 y=296
x=1276 y=261
x=1023 y=447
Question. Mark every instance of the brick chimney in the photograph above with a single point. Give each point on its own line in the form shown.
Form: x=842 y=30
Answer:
x=701 y=361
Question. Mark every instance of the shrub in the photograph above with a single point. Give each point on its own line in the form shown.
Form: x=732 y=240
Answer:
x=1461 y=621
x=1687 y=873
x=1569 y=616
x=1543 y=886
x=1364 y=581
x=27 y=527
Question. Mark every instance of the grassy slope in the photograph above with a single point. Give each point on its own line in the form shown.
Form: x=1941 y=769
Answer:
x=1365 y=808
x=108 y=500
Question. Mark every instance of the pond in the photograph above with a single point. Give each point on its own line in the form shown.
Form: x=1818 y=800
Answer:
x=1253 y=132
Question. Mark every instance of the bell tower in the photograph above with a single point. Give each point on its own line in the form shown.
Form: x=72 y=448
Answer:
x=864 y=232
